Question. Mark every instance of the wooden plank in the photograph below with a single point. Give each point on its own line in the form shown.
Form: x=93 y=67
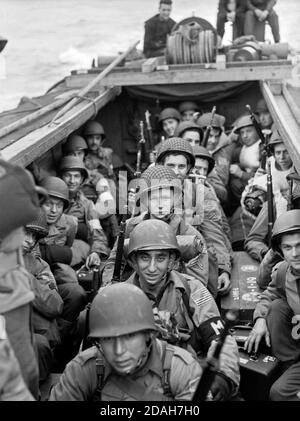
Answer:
x=185 y=76
x=35 y=144
x=294 y=107
x=152 y=63
x=285 y=122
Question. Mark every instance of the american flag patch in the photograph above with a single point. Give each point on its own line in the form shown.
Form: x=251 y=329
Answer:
x=201 y=296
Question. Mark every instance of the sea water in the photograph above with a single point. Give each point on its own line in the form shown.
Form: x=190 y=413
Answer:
x=49 y=38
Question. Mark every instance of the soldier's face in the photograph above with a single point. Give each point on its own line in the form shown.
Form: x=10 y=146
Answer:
x=53 y=208
x=265 y=119
x=29 y=242
x=169 y=126
x=165 y=11
x=125 y=353
x=214 y=138
x=248 y=135
x=160 y=203
x=94 y=142
x=290 y=247
x=79 y=154
x=193 y=137
x=189 y=115
x=201 y=167
x=151 y=266
x=179 y=165
x=282 y=157
x=73 y=179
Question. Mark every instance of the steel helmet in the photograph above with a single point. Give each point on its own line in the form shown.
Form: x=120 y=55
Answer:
x=120 y=309
x=169 y=113
x=275 y=139
x=201 y=152
x=39 y=225
x=157 y=177
x=74 y=143
x=178 y=146
x=183 y=126
x=73 y=163
x=152 y=234
x=56 y=187
x=261 y=106
x=92 y=127
x=205 y=120
x=287 y=223
x=19 y=197
x=242 y=122
x=188 y=106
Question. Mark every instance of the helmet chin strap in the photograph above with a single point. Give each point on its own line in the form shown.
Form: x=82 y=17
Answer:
x=142 y=358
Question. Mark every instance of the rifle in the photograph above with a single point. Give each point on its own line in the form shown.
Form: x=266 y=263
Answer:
x=141 y=143
x=211 y=365
x=208 y=128
x=150 y=136
x=263 y=138
x=120 y=246
x=270 y=202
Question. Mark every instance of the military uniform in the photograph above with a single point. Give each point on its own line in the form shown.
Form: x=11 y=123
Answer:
x=16 y=296
x=85 y=213
x=12 y=386
x=202 y=316
x=195 y=264
x=79 y=380
x=103 y=158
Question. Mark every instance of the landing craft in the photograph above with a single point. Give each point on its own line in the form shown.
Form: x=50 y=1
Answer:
x=118 y=95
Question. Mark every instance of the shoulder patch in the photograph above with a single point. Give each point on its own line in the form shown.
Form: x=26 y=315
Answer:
x=201 y=295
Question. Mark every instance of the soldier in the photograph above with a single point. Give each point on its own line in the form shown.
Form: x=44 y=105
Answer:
x=56 y=249
x=90 y=245
x=178 y=154
x=98 y=158
x=156 y=30
x=261 y=10
x=245 y=159
x=185 y=312
x=264 y=116
x=75 y=145
x=47 y=304
x=205 y=167
x=219 y=145
x=127 y=361
x=189 y=111
x=19 y=205
x=12 y=386
x=168 y=120
x=189 y=131
x=204 y=172
x=281 y=167
x=276 y=315
x=160 y=197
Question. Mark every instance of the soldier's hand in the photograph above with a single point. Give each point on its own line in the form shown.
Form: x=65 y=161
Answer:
x=223 y=283
x=259 y=331
x=92 y=260
x=235 y=170
x=221 y=388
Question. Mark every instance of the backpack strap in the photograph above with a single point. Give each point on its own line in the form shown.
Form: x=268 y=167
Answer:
x=281 y=275
x=167 y=356
x=100 y=370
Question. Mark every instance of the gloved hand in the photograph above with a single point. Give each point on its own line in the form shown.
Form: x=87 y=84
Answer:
x=221 y=388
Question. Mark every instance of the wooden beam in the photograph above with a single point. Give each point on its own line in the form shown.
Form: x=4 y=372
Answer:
x=285 y=122
x=294 y=107
x=35 y=144
x=152 y=63
x=185 y=76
